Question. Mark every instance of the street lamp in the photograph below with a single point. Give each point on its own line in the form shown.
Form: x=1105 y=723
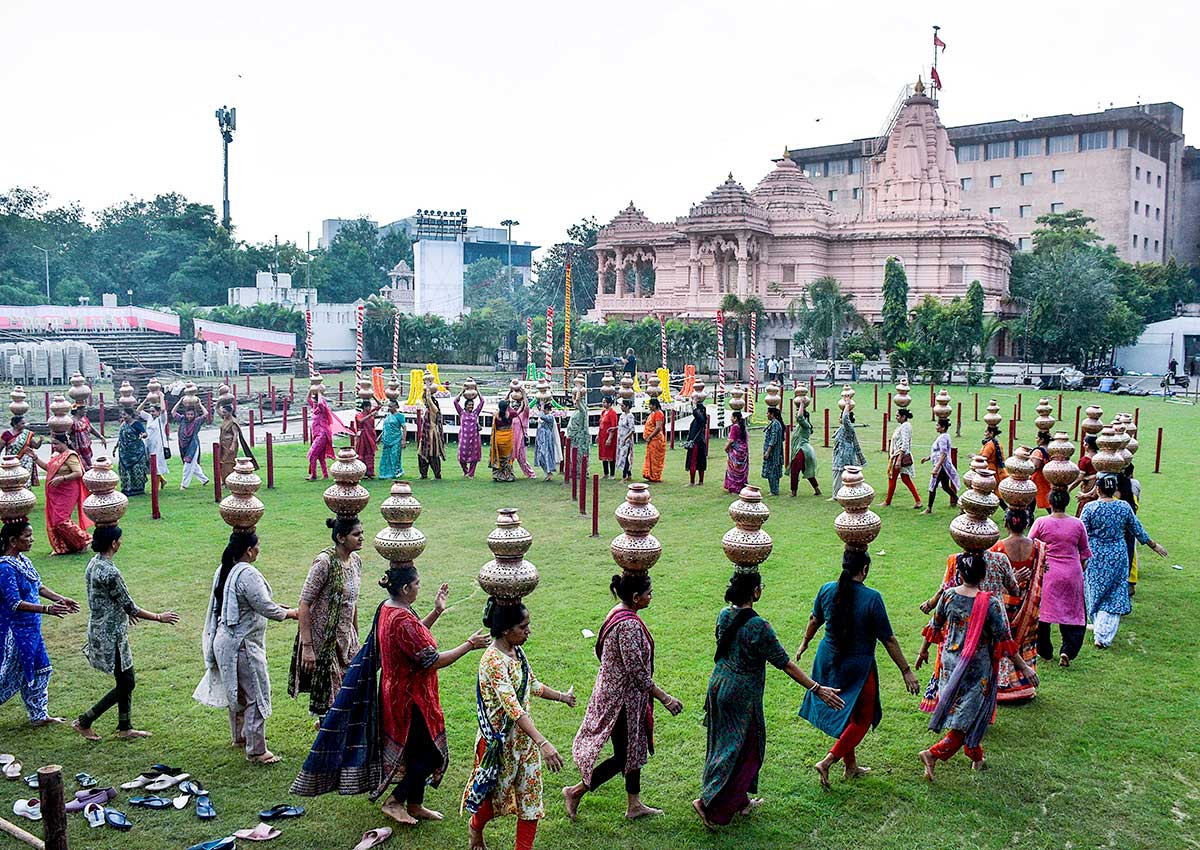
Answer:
x=510 y=224
x=227 y=122
x=47 y=253
x=129 y=292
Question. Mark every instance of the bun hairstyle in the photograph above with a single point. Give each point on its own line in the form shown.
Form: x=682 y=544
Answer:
x=16 y=420
x=971 y=567
x=499 y=616
x=1016 y=520
x=341 y=526
x=240 y=542
x=741 y=588
x=1090 y=442
x=655 y=404
x=397 y=577
x=11 y=531
x=625 y=586
x=1059 y=499
x=841 y=619
x=1107 y=484
x=944 y=424
x=104 y=537
x=904 y=412
x=1043 y=438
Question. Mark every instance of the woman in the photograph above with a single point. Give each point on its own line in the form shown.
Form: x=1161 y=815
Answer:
x=229 y=440
x=509 y=749
x=154 y=418
x=431 y=439
x=503 y=439
x=1086 y=481
x=696 y=444
x=391 y=443
x=900 y=459
x=654 y=432
x=944 y=474
x=972 y=629
x=737 y=451
x=993 y=452
x=1106 y=582
x=846 y=451
x=387 y=724
x=24 y=664
x=187 y=428
x=804 y=459
x=21 y=443
x=733 y=708
x=578 y=436
x=322 y=429
x=327 y=639
x=132 y=463
x=626 y=429
x=366 y=440
x=65 y=492
x=110 y=613
x=1039 y=456
x=772 y=461
x=470 y=446
x=547 y=450
x=235 y=651
x=1028 y=560
x=606 y=439
x=855 y=619
x=1129 y=490
x=520 y=430
x=1067 y=554
x=621 y=708
x=82 y=432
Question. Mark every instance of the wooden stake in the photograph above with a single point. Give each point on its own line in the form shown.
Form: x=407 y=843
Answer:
x=154 y=514
x=304 y=424
x=884 y=433
x=1158 y=451
x=54 y=814
x=583 y=478
x=595 y=506
x=101 y=414
x=252 y=424
x=827 y=427
x=21 y=835
x=216 y=452
x=270 y=462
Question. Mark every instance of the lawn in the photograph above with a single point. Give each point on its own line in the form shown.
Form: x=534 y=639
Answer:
x=1105 y=756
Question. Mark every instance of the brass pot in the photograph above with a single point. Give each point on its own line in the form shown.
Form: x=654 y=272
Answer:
x=347 y=497
x=626 y=390
x=104 y=505
x=16 y=499
x=607 y=385
x=654 y=386
x=79 y=392
x=18 y=406
x=399 y=542
x=508 y=576
x=392 y=391
x=800 y=398
x=992 y=417
x=470 y=389
x=737 y=398
x=365 y=390
x=241 y=509
x=901 y=397
x=191 y=397
x=1092 y=424
x=60 y=421
x=774 y=396
x=1018 y=493
x=974 y=534
x=857 y=529
x=636 y=549
x=978 y=464
x=941 y=405
x=698 y=391
x=855 y=494
x=1044 y=420
x=747 y=545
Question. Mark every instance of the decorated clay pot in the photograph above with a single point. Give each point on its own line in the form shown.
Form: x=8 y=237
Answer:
x=104 y=505
x=470 y=389
x=60 y=420
x=635 y=549
x=365 y=391
x=18 y=405
x=607 y=386
x=508 y=576
x=698 y=391
x=978 y=464
x=992 y=417
x=941 y=405
x=225 y=397
x=1044 y=420
x=1108 y=456
x=241 y=509
x=1060 y=471
x=347 y=497
x=125 y=396
x=856 y=525
x=1018 y=490
x=654 y=386
x=1123 y=439
x=79 y=392
x=737 y=398
x=16 y=499
x=392 y=391
x=1092 y=424
x=544 y=393
x=746 y=544
x=800 y=398
x=626 y=391
x=316 y=385
x=400 y=543
x=901 y=398
x=774 y=396
x=191 y=396
x=428 y=380
x=974 y=529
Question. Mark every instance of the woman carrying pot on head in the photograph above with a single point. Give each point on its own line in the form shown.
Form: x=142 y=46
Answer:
x=696 y=457
x=846 y=451
x=1067 y=555
x=621 y=708
x=520 y=429
x=21 y=443
x=900 y=459
x=548 y=453
x=654 y=433
x=187 y=430
x=366 y=438
x=737 y=451
x=944 y=473
x=327 y=638
x=65 y=492
x=82 y=432
x=509 y=749
x=24 y=664
x=133 y=465
x=772 y=457
x=606 y=438
x=470 y=445
x=804 y=459
x=154 y=418
x=111 y=612
x=391 y=443
x=235 y=651
x=626 y=431
x=503 y=440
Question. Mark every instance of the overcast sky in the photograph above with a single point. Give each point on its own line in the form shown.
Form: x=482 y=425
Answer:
x=541 y=111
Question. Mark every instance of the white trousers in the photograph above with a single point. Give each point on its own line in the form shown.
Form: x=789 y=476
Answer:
x=192 y=468
x=1104 y=627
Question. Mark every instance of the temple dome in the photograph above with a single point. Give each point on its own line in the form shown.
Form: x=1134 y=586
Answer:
x=787 y=188
x=919 y=172
x=729 y=200
x=630 y=217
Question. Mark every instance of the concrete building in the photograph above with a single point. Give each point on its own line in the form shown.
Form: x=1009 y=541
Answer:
x=1126 y=167
x=1160 y=342
x=272 y=288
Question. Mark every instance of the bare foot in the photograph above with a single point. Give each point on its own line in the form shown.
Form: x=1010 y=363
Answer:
x=979 y=765
x=927 y=759
x=129 y=734
x=422 y=813
x=857 y=772
x=699 y=807
x=822 y=770
x=927 y=511
x=85 y=731
x=47 y=721
x=642 y=811
x=754 y=803
x=396 y=811
x=571 y=798
x=475 y=839
x=1063 y=660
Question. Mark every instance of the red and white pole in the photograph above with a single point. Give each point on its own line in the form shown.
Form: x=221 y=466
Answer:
x=549 y=339
x=529 y=340
x=720 y=400
x=308 y=344
x=753 y=357
x=396 y=347
x=662 y=339
x=358 y=345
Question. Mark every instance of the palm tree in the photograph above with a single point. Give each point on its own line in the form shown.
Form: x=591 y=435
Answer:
x=187 y=311
x=824 y=312
x=741 y=310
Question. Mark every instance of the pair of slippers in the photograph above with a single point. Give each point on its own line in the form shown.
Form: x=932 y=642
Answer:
x=373 y=838
x=96 y=816
x=161 y=776
x=12 y=768
x=262 y=832
x=281 y=811
x=86 y=797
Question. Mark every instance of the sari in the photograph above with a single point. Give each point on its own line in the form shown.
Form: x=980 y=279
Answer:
x=391 y=446
x=62 y=500
x=656 y=449
x=331 y=591
x=1023 y=622
x=500 y=451
x=21 y=447
x=133 y=465
x=81 y=434
x=737 y=468
x=547 y=445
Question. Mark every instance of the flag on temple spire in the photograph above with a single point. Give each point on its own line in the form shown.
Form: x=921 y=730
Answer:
x=935 y=79
x=937 y=42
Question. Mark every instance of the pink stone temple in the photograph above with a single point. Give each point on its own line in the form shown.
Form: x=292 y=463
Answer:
x=774 y=241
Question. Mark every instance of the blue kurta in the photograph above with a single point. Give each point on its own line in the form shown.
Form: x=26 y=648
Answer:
x=850 y=669
x=22 y=651
x=1106 y=579
x=391 y=449
x=547 y=449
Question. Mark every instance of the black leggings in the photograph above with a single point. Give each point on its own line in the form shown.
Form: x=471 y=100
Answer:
x=421 y=759
x=1072 y=640
x=615 y=763
x=121 y=696
x=610 y=467
x=943 y=480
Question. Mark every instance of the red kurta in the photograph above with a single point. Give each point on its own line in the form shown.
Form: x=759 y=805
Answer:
x=606 y=440
x=407 y=654
x=365 y=438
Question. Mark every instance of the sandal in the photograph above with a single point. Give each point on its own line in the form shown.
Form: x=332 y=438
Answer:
x=85 y=780
x=13 y=770
x=94 y=814
x=373 y=838
x=281 y=811
x=150 y=802
x=204 y=808
x=226 y=843
x=141 y=782
x=117 y=820
x=167 y=781
x=262 y=832
x=267 y=757
x=31 y=780
x=191 y=786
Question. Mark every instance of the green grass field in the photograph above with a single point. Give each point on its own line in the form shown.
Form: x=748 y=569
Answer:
x=1105 y=756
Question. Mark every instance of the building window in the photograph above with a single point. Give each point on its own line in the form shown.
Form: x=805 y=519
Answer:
x=1147 y=210
x=1026 y=178
x=1158 y=213
x=1025 y=210
x=1147 y=176
x=789 y=273
x=1160 y=181
x=964 y=183
x=1121 y=139
x=1137 y=172
x=1058 y=175
x=1030 y=147
x=1135 y=240
x=837 y=167
x=1023 y=243
x=994 y=181
x=1056 y=208
x=833 y=195
x=1156 y=246
x=1061 y=144
x=956 y=274
x=1094 y=141
x=967 y=153
x=965 y=210
x=993 y=211
x=856 y=193
x=998 y=150
x=856 y=166
x=815 y=169
x=1137 y=207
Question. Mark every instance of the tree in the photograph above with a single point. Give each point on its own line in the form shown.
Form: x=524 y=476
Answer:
x=741 y=311
x=550 y=272
x=824 y=313
x=895 y=303
x=1069 y=229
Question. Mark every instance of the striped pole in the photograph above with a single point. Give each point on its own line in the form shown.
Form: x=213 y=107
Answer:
x=720 y=400
x=308 y=348
x=753 y=358
x=396 y=347
x=549 y=338
x=662 y=338
x=529 y=340
x=567 y=331
x=358 y=348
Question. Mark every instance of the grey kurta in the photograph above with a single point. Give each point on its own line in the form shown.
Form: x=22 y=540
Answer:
x=241 y=623
x=109 y=610
x=156 y=440
x=626 y=428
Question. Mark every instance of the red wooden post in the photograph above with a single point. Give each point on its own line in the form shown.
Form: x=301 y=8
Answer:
x=583 y=478
x=1019 y=407
x=889 y=404
x=216 y=471
x=260 y=407
x=595 y=506
x=1076 y=437
x=1158 y=451
x=1136 y=411
x=672 y=430
x=571 y=460
x=252 y=429
x=270 y=388
x=285 y=411
x=954 y=456
x=47 y=399
x=787 y=445
x=270 y=462
x=235 y=397
x=884 y=433
x=877 y=396
x=958 y=422
x=1012 y=435
x=102 y=414
x=976 y=407
x=292 y=389
x=274 y=409
x=812 y=389
x=304 y=424
x=931 y=400
x=1060 y=407
x=340 y=392
x=827 y=427
x=247 y=385
x=154 y=514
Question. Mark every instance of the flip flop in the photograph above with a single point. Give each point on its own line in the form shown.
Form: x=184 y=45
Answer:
x=13 y=770
x=31 y=780
x=204 y=808
x=142 y=781
x=163 y=769
x=191 y=786
x=373 y=838
x=31 y=809
x=167 y=781
x=94 y=813
x=181 y=801
x=226 y=843
x=150 y=802
x=85 y=780
x=117 y=820
x=7 y=759
x=262 y=832
x=281 y=811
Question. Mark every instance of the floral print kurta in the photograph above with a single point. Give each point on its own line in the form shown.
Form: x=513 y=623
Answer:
x=109 y=612
x=518 y=789
x=1106 y=580
x=318 y=592
x=846 y=451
